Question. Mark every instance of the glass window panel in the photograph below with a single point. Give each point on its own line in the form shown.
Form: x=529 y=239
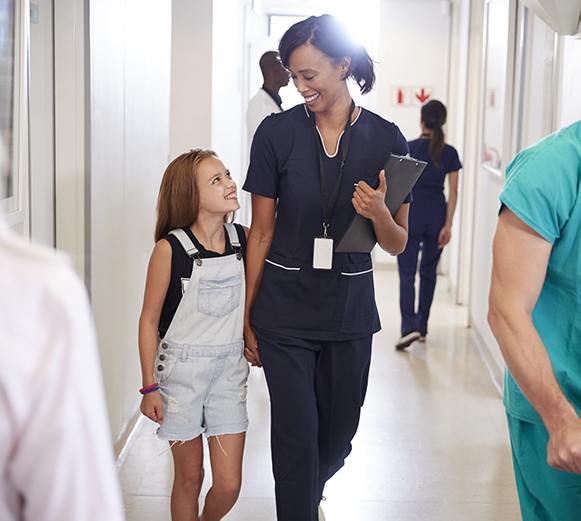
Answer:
x=495 y=81
x=8 y=181
x=537 y=88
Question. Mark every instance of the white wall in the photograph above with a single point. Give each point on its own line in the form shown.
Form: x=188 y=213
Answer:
x=470 y=159
x=191 y=75
x=42 y=126
x=130 y=103
x=228 y=117
x=413 y=50
x=256 y=43
x=15 y=205
x=568 y=109
x=487 y=185
x=455 y=134
x=70 y=131
x=207 y=104
x=537 y=105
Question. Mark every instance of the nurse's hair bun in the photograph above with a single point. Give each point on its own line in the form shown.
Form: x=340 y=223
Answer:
x=332 y=38
x=434 y=116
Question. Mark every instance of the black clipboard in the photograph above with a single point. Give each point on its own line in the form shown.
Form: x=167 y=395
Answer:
x=401 y=174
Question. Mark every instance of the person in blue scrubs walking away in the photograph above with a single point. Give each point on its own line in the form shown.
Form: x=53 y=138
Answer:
x=311 y=313
x=430 y=222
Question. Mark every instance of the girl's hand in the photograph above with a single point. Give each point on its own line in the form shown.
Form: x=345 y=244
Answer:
x=368 y=202
x=444 y=236
x=251 y=347
x=151 y=407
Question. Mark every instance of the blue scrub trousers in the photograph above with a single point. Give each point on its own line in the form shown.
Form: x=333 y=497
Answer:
x=422 y=235
x=316 y=391
x=545 y=493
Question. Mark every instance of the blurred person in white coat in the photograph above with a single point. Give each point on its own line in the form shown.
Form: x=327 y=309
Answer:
x=267 y=100
x=56 y=455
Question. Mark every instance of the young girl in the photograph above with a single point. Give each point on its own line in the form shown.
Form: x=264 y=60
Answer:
x=190 y=332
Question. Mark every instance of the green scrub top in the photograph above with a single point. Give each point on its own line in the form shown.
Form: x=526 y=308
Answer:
x=542 y=188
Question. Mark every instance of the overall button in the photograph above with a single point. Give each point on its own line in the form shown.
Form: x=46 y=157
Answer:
x=160 y=367
x=164 y=346
x=162 y=357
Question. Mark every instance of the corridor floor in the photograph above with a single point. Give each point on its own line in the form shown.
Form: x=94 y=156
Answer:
x=432 y=443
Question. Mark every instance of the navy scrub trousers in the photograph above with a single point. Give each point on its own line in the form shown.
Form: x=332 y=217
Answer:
x=425 y=223
x=316 y=390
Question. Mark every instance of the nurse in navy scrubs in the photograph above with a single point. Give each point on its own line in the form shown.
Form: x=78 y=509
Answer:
x=311 y=327
x=430 y=222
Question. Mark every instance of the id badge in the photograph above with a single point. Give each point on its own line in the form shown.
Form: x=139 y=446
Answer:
x=323 y=253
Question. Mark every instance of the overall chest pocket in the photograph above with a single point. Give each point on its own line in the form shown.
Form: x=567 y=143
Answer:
x=219 y=297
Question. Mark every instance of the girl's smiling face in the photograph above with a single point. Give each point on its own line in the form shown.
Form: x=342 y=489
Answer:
x=318 y=78
x=216 y=187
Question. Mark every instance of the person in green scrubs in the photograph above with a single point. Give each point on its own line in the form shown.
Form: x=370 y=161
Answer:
x=535 y=314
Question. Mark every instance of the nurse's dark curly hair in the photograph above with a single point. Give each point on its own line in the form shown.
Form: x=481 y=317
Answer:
x=434 y=116
x=328 y=35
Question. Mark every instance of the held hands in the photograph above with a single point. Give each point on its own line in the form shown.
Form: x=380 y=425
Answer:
x=251 y=346
x=151 y=407
x=444 y=236
x=368 y=202
x=564 y=448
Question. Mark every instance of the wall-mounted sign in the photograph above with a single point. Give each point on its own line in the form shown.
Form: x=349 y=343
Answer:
x=421 y=94
x=401 y=96
x=410 y=96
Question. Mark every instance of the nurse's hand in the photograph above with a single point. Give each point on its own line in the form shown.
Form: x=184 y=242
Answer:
x=370 y=203
x=151 y=407
x=444 y=236
x=251 y=347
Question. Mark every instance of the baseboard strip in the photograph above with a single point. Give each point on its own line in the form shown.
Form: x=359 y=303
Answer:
x=122 y=439
x=495 y=372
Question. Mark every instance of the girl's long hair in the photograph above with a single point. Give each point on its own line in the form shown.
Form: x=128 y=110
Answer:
x=434 y=116
x=178 y=203
x=328 y=35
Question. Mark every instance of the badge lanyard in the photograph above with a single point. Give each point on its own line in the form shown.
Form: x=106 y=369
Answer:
x=323 y=246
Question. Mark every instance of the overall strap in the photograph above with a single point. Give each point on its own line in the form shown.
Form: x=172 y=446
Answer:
x=187 y=244
x=234 y=239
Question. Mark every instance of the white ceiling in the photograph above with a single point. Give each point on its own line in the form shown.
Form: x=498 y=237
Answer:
x=561 y=15
x=305 y=7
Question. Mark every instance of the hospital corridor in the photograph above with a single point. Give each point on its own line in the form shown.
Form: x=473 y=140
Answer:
x=134 y=132
x=432 y=442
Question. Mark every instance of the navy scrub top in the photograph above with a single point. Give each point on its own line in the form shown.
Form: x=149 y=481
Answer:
x=429 y=200
x=294 y=299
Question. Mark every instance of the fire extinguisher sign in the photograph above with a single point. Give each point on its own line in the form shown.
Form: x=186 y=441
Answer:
x=410 y=96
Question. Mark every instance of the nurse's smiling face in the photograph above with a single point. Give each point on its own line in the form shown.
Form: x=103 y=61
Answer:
x=319 y=78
